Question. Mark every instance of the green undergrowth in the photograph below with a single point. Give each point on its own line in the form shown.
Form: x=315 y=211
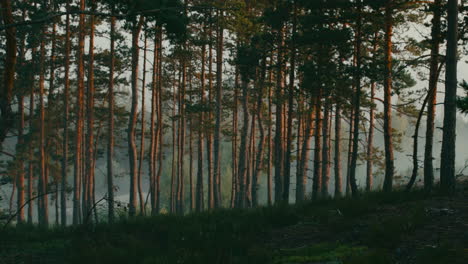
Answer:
x=222 y=236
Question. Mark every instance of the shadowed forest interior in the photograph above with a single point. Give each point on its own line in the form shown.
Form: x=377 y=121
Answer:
x=169 y=113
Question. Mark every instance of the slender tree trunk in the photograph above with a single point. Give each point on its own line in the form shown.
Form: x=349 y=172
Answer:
x=199 y=192
x=209 y=136
x=66 y=95
x=317 y=180
x=90 y=116
x=219 y=111
x=6 y=94
x=154 y=136
x=143 y=132
x=132 y=148
x=159 y=131
x=279 y=151
x=337 y=161
x=235 y=177
x=447 y=162
x=243 y=159
x=357 y=102
x=42 y=184
x=289 y=128
x=270 y=136
x=173 y=169
x=389 y=160
x=301 y=177
x=31 y=145
x=79 y=123
x=21 y=140
x=433 y=80
x=370 y=141
x=325 y=150
x=180 y=185
x=110 y=142
x=261 y=140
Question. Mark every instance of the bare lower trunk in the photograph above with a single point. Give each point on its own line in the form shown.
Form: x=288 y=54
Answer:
x=318 y=149
x=432 y=101
x=199 y=192
x=389 y=161
x=110 y=142
x=219 y=111
x=143 y=132
x=132 y=148
x=337 y=160
x=243 y=159
x=325 y=150
x=79 y=122
x=447 y=163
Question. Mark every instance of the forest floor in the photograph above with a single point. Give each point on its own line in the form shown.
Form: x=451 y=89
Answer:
x=400 y=227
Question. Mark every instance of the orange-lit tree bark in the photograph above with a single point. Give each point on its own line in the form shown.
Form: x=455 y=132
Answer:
x=388 y=141
x=337 y=159
x=325 y=149
x=433 y=80
x=279 y=129
x=79 y=122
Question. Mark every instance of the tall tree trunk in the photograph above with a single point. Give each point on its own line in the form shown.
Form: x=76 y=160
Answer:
x=173 y=169
x=317 y=180
x=337 y=160
x=279 y=151
x=21 y=140
x=433 y=80
x=357 y=102
x=235 y=177
x=181 y=136
x=325 y=150
x=261 y=140
x=389 y=160
x=66 y=95
x=370 y=141
x=159 y=131
x=90 y=116
x=132 y=148
x=301 y=175
x=143 y=132
x=110 y=142
x=209 y=136
x=219 y=111
x=414 y=173
x=31 y=145
x=447 y=162
x=42 y=184
x=199 y=192
x=6 y=94
x=270 y=135
x=243 y=159
x=153 y=126
x=79 y=122
x=289 y=128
